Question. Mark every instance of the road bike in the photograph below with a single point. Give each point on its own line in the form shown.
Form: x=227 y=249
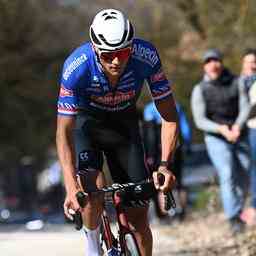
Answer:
x=122 y=196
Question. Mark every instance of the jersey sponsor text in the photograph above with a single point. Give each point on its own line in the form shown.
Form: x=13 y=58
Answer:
x=145 y=54
x=114 y=99
x=76 y=63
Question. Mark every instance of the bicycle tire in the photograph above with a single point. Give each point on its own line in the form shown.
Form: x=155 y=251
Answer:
x=131 y=246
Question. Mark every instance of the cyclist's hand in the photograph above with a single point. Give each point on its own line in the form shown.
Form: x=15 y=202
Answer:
x=71 y=203
x=164 y=179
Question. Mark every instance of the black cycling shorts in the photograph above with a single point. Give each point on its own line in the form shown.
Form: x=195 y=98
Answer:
x=117 y=136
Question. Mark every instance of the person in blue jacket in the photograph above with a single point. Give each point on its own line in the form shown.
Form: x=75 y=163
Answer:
x=152 y=141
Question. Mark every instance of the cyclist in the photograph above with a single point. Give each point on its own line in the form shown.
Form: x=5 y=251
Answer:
x=100 y=84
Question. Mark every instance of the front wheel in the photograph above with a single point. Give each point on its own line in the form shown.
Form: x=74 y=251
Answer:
x=131 y=246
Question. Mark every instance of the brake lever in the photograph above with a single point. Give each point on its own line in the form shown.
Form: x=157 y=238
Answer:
x=169 y=201
x=77 y=216
x=78 y=221
x=81 y=198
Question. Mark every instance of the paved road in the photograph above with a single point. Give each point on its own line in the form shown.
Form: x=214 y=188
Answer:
x=56 y=241
x=60 y=240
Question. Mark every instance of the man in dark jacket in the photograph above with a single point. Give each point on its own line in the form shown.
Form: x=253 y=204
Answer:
x=220 y=108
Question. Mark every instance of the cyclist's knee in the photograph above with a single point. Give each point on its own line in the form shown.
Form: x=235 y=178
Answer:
x=91 y=180
x=138 y=217
x=93 y=208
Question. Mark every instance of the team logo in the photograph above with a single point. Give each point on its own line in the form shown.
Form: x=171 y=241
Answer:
x=83 y=156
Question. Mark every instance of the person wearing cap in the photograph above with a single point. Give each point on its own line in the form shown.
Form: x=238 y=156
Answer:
x=220 y=108
x=100 y=85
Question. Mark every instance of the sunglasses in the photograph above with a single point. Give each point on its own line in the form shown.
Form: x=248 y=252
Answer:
x=122 y=54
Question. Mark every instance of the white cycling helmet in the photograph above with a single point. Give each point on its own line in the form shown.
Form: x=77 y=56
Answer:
x=111 y=30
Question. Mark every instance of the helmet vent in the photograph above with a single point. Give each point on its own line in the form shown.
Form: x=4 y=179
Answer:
x=102 y=38
x=109 y=17
x=94 y=38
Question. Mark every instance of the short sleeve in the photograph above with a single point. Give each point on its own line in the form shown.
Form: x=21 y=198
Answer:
x=68 y=100
x=73 y=70
x=159 y=85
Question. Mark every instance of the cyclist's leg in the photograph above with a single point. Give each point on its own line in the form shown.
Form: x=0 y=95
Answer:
x=120 y=138
x=138 y=218
x=127 y=168
x=92 y=213
x=137 y=172
x=89 y=164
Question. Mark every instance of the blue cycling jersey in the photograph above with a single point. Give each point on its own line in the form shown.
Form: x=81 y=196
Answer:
x=85 y=86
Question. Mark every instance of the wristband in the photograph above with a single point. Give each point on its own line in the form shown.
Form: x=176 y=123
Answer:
x=164 y=163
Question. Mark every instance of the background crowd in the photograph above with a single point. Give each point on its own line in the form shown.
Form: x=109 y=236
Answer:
x=221 y=105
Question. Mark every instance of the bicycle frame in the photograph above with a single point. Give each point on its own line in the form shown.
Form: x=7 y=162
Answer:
x=108 y=235
x=123 y=228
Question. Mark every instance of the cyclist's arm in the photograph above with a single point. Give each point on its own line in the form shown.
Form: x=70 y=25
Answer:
x=169 y=131
x=151 y=131
x=160 y=88
x=65 y=149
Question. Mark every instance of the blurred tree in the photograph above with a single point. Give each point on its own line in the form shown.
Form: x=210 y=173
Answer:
x=34 y=40
x=36 y=36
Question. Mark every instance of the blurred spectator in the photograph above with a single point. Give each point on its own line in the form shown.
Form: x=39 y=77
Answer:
x=248 y=78
x=51 y=189
x=249 y=63
x=220 y=109
x=26 y=176
x=152 y=138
